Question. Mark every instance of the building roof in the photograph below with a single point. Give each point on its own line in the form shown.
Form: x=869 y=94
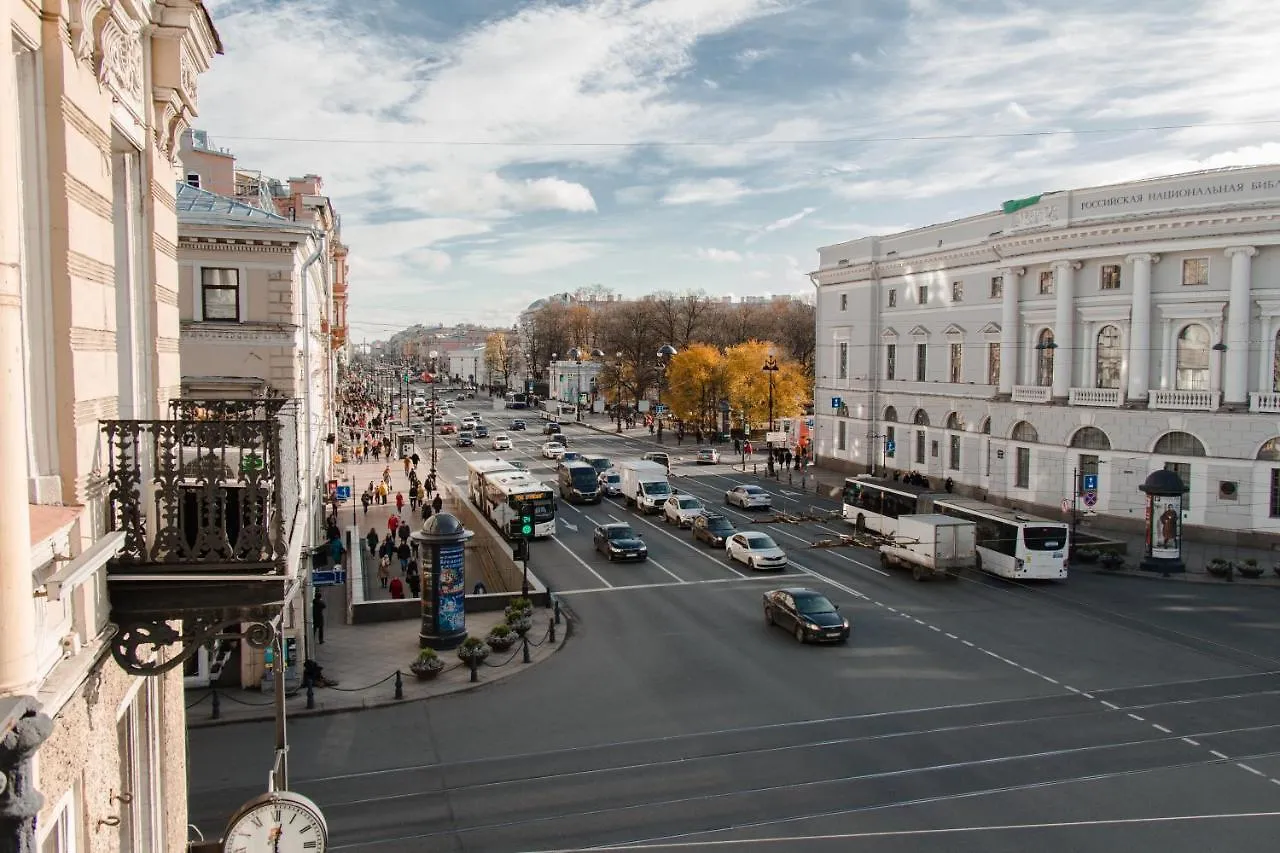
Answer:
x=201 y=207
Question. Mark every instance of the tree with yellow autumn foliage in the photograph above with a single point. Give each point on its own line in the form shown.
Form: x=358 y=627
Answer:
x=747 y=384
x=695 y=383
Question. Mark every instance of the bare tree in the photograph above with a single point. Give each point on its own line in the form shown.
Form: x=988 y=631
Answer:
x=632 y=329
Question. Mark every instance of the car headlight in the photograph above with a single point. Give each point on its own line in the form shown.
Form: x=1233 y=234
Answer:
x=810 y=626
x=845 y=624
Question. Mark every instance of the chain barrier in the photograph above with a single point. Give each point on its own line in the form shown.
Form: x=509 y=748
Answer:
x=358 y=689
x=545 y=637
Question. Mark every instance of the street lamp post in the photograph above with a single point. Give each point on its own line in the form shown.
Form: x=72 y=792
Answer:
x=665 y=353
x=617 y=402
x=576 y=355
x=435 y=413
x=770 y=367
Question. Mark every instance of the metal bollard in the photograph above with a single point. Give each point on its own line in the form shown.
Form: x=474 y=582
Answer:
x=399 y=685
x=525 y=657
x=474 y=663
x=311 y=696
x=552 y=633
x=217 y=706
x=557 y=611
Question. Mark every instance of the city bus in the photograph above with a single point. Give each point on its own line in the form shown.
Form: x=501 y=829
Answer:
x=1011 y=544
x=478 y=470
x=505 y=491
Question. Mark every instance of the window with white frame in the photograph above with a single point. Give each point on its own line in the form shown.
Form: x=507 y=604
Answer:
x=137 y=742
x=891 y=361
x=922 y=294
x=193 y=179
x=61 y=833
x=893 y=298
x=957 y=291
x=1044 y=358
x=1046 y=282
x=1109 y=277
x=841 y=435
x=993 y=364
x=844 y=302
x=842 y=360
x=1195 y=272
x=920 y=442
x=997 y=286
x=953 y=458
x=955 y=363
x=220 y=294
x=1193 y=359
x=1022 y=468
x=1109 y=358
x=922 y=362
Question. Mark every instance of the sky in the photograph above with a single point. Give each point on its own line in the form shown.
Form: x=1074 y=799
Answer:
x=486 y=153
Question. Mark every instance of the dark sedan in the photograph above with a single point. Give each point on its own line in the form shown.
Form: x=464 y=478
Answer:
x=808 y=615
x=619 y=542
x=713 y=529
x=517 y=425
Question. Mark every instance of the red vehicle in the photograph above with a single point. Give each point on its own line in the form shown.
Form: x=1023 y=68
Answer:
x=448 y=428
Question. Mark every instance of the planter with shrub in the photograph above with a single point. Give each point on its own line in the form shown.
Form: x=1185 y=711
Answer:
x=501 y=638
x=473 y=649
x=1249 y=568
x=427 y=665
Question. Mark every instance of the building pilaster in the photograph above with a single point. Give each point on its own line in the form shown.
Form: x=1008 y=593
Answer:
x=1012 y=282
x=1064 y=288
x=1235 y=381
x=1140 y=326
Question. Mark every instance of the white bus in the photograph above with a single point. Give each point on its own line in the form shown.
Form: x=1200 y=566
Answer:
x=1011 y=544
x=504 y=491
x=477 y=472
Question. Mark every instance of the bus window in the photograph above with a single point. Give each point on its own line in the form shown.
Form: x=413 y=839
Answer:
x=1045 y=538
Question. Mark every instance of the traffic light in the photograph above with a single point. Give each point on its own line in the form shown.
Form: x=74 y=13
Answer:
x=520 y=550
x=526 y=520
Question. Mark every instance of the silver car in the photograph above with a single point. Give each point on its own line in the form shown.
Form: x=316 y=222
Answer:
x=611 y=483
x=748 y=497
x=757 y=550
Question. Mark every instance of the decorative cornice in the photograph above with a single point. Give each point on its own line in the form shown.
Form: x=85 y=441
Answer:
x=1146 y=257
x=87 y=127
x=87 y=197
x=1131 y=231
x=165 y=247
x=165 y=296
x=92 y=340
x=240 y=334
x=164 y=196
x=92 y=269
x=271 y=247
x=167 y=345
x=96 y=409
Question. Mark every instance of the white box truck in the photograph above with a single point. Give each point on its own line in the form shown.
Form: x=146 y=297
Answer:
x=644 y=484
x=932 y=546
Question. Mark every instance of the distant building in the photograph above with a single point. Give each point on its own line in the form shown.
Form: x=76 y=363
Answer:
x=1104 y=332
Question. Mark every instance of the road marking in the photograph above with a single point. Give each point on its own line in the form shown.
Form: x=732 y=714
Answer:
x=969 y=644
x=847 y=559
x=572 y=527
x=668 y=571
x=661 y=529
x=1191 y=742
x=1111 y=705
x=1252 y=770
x=1072 y=689
x=1219 y=754
x=952 y=636
x=581 y=561
x=935 y=628
x=1050 y=680
x=1161 y=728
x=1086 y=695
x=1136 y=717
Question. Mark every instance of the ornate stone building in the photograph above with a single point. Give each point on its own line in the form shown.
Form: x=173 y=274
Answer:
x=93 y=97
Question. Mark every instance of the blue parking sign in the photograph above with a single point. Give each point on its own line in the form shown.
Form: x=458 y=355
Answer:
x=890 y=447
x=1090 y=482
x=837 y=403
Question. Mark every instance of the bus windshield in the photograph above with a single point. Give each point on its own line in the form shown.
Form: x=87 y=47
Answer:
x=1044 y=538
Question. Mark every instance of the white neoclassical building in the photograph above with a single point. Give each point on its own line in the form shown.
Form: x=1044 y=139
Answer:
x=1109 y=331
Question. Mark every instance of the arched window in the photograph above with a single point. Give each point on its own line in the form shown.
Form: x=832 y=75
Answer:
x=1178 y=444
x=954 y=421
x=890 y=414
x=1193 y=359
x=1090 y=438
x=986 y=426
x=1110 y=357
x=921 y=418
x=1024 y=431
x=1270 y=451
x=1044 y=357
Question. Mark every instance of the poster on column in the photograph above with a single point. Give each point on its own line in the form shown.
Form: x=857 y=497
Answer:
x=451 y=616
x=1166 y=527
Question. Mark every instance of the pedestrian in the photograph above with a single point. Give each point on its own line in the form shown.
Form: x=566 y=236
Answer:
x=399 y=502
x=372 y=541
x=403 y=553
x=317 y=616
x=406 y=462
x=397 y=588
x=403 y=532
x=392 y=523
x=746 y=448
x=384 y=570
x=786 y=458
x=377 y=451
x=415 y=459
x=426 y=510
x=382 y=493
x=365 y=500
x=437 y=504
x=413 y=497
x=412 y=578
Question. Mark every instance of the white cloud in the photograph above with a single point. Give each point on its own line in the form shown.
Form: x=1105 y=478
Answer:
x=724 y=256
x=710 y=84
x=532 y=258
x=634 y=195
x=710 y=191
x=750 y=56
x=788 y=221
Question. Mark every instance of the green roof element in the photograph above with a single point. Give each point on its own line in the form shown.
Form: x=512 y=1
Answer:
x=1019 y=203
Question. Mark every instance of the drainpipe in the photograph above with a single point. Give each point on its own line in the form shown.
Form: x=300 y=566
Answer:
x=306 y=370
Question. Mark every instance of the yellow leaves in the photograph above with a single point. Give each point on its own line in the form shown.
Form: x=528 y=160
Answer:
x=700 y=376
x=694 y=382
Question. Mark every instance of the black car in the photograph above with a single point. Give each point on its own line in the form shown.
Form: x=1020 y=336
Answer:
x=713 y=529
x=558 y=438
x=517 y=425
x=551 y=428
x=619 y=542
x=808 y=615
x=466 y=439
x=481 y=431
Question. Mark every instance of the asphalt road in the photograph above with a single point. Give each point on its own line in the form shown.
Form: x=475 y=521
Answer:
x=1104 y=713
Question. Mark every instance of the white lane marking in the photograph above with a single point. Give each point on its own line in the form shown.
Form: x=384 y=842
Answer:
x=969 y=644
x=952 y=636
x=1136 y=717
x=668 y=571
x=1111 y=705
x=1191 y=742
x=581 y=561
x=1252 y=770
x=1161 y=728
x=1219 y=754
x=1086 y=695
x=1028 y=669
x=842 y=587
x=848 y=559
x=935 y=628
x=572 y=527
x=1050 y=680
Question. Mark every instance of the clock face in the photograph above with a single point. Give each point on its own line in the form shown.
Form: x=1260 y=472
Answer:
x=282 y=823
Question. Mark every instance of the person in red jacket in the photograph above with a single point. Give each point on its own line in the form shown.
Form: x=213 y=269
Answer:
x=392 y=524
x=399 y=503
x=397 y=588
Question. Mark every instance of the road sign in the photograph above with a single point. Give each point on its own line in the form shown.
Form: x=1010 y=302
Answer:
x=837 y=403
x=890 y=447
x=1090 y=498
x=343 y=493
x=1066 y=504
x=1090 y=482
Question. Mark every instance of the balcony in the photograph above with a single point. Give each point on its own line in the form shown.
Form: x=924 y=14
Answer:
x=1264 y=402
x=1106 y=398
x=1032 y=393
x=1187 y=401
x=207 y=502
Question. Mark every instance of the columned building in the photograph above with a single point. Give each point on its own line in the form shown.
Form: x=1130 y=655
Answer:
x=1112 y=330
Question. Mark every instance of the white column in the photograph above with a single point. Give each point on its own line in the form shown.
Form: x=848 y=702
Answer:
x=1168 y=357
x=1009 y=329
x=1267 y=361
x=1140 y=327
x=17 y=606
x=1064 y=288
x=1089 y=368
x=1215 y=360
x=1030 y=362
x=1236 y=381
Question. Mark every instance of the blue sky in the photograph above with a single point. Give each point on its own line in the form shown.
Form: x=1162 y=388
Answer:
x=485 y=153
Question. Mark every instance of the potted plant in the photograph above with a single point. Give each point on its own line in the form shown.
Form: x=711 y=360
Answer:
x=501 y=637
x=1086 y=555
x=1218 y=567
x=520 y=604
x=1250 y=568
x=1111 y=560
x=427 y=665
x=473 y=650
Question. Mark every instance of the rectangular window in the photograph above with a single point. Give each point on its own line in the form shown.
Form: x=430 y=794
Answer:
x=920 y=447
x=1275 y=492
x=1195 y=271
x=1046 y=283
x=842 y=360
x=840 y=435
x=220 y=294
x=891 y=361
x=844 y=302
x=137 y=739
x=955 y=365
x=893 y=298
x=1109 y=277
x=193 y=179
x=1022 y=467
x=1183 y=470
x=993 y=364
x=891 y=442
x=922 y=362
x=997 y=286
x=1088 y=464
x=953 y=459
x=957 y=291
x=933 y=449
x=62 y=832
x=922 y=294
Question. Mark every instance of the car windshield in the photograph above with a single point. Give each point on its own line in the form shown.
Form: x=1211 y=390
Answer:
x=719 y=524
x=753 y=490
x=760 y=543
x=690 y=503
x=812 y=602
x=621 y=533
x=612 y=478
x=656 y=488
x=583 y=477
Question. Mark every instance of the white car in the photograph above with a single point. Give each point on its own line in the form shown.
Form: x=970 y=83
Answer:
x=502 y=441
x=682 y=509
x=468 y=423
x=552 y=450
x=747 y=497
x=757 y=550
